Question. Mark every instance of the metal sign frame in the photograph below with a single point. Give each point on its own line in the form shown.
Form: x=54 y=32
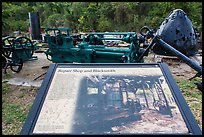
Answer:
x=187 y=115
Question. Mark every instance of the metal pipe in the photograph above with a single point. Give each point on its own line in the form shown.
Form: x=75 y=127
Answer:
x=111 y=33
x=111 y=38
x=181 y=56
x=109 y=54
x=116 y=50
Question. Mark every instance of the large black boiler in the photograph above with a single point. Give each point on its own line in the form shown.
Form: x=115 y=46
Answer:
x=177 y=30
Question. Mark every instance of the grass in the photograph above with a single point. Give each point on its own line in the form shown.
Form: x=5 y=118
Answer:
x=192 y=96
x=14 y=110
x=7 y=76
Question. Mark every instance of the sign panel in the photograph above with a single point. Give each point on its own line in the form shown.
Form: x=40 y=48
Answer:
x=109 y=100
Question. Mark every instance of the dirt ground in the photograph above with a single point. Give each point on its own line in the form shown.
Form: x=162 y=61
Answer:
x=33 y=69
x=178 y=68
x=30 y=75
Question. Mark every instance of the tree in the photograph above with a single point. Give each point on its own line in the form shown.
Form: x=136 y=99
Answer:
x=99 y=16
x=88 y=20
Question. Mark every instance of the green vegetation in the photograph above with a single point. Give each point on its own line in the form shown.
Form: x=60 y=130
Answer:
x=16 y=103
x=7 y=76
x=192 y=96
x=98 y=16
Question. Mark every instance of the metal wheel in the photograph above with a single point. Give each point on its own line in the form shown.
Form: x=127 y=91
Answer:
x=144 y=31
x=7 y=44
x=17 y=66
x=25 y=45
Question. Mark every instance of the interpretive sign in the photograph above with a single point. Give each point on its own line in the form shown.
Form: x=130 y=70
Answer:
x=110 y=99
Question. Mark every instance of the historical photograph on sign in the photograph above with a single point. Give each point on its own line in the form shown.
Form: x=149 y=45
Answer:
x=104 y=101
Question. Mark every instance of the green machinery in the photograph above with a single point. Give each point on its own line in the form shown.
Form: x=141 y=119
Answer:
x=63 y=47
x=16 y=51
x=93 y=48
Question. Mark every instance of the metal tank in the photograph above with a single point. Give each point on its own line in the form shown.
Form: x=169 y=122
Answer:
x=177 y=30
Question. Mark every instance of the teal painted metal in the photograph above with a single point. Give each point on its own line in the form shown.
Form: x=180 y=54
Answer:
x=16 y=51
x=23 y=49
x=92 y=48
